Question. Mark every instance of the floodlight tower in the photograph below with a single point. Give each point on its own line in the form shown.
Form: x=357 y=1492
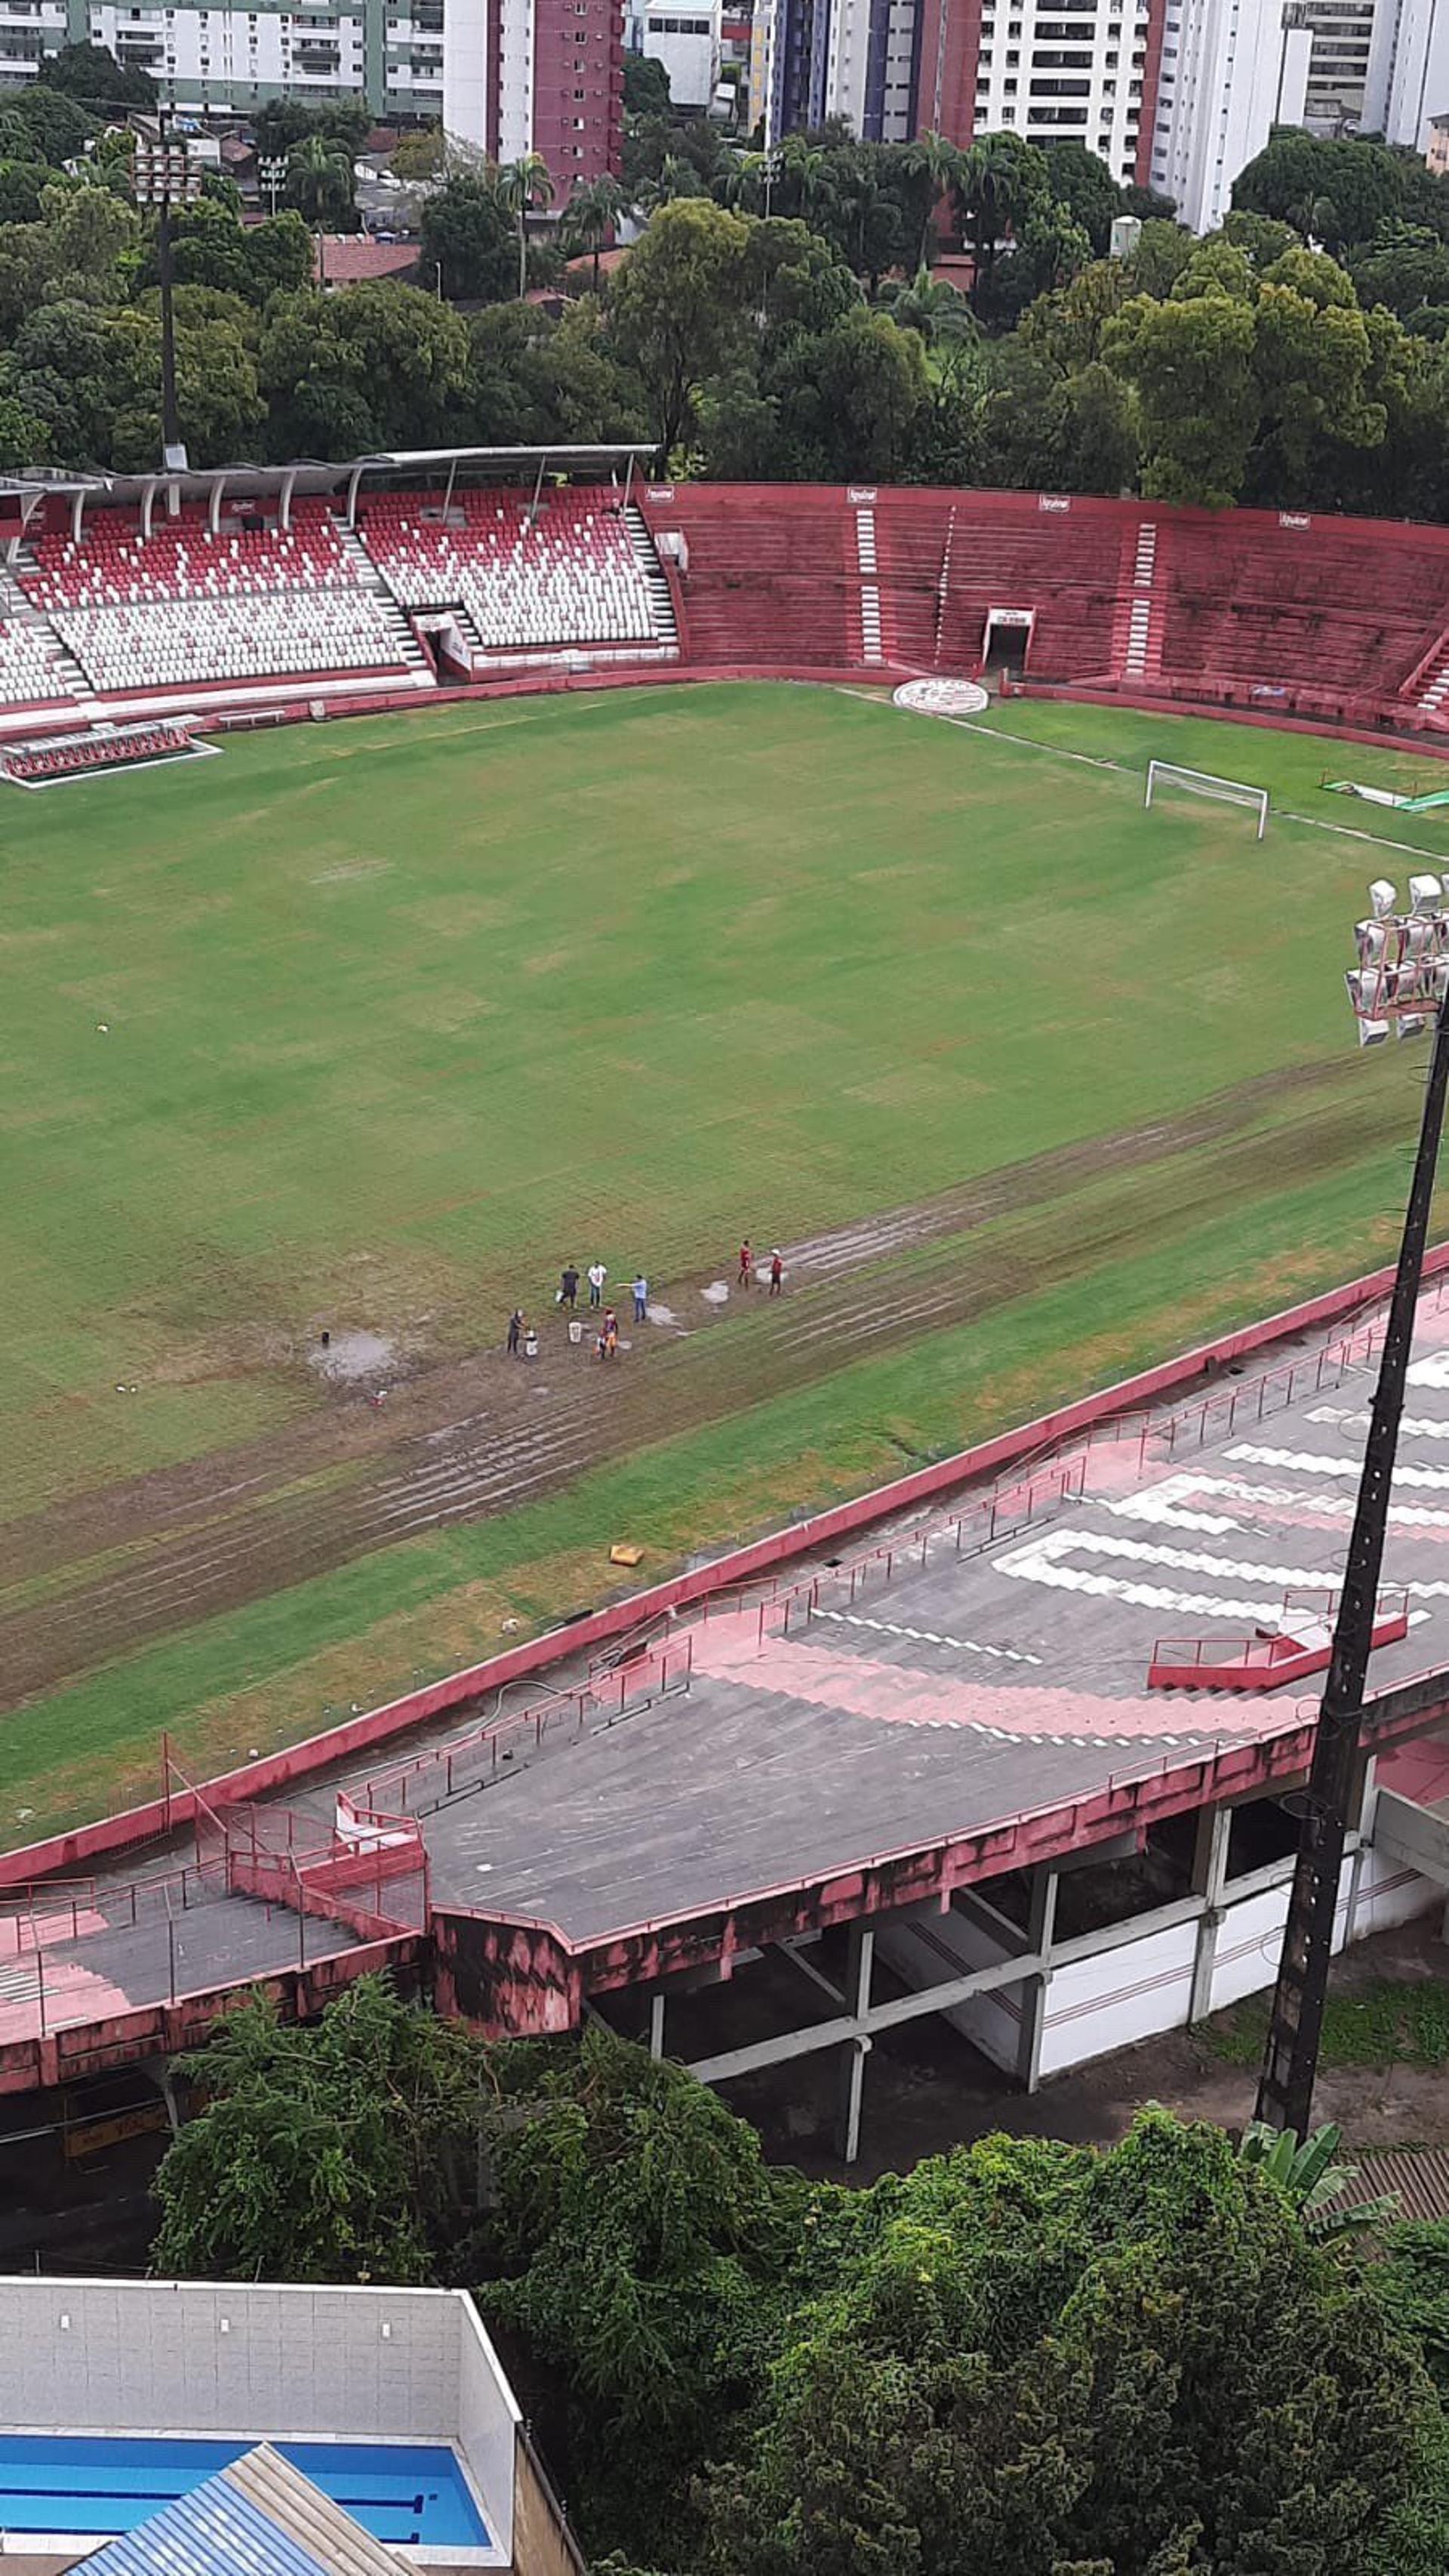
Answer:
x=166 y=176
x=1401 y=980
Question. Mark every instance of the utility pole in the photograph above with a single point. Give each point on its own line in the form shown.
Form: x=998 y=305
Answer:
x=164 y=176
x=1404 y=966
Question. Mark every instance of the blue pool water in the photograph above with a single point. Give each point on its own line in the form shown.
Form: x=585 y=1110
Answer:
x=399 y=2491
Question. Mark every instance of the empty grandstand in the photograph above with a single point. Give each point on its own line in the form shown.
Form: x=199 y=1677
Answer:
x=370 y=581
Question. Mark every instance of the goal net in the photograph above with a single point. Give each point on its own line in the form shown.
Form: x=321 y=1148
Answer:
x=1164 y=776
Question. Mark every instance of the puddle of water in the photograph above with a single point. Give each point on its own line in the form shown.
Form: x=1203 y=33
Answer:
x=351 y=1356
x=717 y=1293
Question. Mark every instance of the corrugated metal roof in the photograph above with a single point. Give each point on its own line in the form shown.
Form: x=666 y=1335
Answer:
x=259 y=2517
x=1419 y=2176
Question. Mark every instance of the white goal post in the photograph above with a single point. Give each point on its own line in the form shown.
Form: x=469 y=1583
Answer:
x=1201 y=782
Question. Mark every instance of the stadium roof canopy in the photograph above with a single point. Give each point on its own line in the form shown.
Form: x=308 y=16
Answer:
x=216 y=484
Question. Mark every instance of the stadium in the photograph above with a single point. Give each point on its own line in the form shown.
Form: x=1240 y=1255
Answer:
x=956 y=1653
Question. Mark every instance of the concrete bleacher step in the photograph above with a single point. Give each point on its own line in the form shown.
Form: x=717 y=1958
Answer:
x=872 y=644
x=16 y=609
x=1136 y=627
x=356 y=554
x=661 y=606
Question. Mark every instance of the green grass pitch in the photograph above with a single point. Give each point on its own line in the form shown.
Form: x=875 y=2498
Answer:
x=374 y=1024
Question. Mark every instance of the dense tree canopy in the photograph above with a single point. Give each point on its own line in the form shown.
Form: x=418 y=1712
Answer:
x=790 y=315
x=1021 y=2359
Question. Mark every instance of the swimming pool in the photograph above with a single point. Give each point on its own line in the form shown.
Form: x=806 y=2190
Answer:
x=402 y=2492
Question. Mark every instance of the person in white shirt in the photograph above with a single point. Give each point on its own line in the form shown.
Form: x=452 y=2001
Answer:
x=597 y=1275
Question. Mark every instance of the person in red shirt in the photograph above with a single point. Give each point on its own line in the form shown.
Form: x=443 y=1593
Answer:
x=747 y=1263
x=777 y=1272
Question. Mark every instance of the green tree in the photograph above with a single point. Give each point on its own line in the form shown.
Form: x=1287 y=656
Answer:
x=336 y=2153
x=69 y=368
x=1003 y=178
x=280 y=122
x=375 y=366
x=1311 y=363
x=646 y=87
x=254 y=262
x=217 y=392
x=423 y=154
x=1406 y=267
x=524 y=186
x=319 y=179
x=466 y=231
x=1162 y=253
x=594 y=209
x=1190 y=361
x=22 y=187
x=858 y=392
x=678 y=306
x=1024 y=2365
x=1339 y=192
x=93 y=75
x=24 y=438
x=42 y=124
x=1081 y=181
x=938 y=164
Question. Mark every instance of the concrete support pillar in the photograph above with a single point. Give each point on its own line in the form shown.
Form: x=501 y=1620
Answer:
x=1041 y=1928
x=1209 y=1878
x=860 y=1961
x=656 y=2022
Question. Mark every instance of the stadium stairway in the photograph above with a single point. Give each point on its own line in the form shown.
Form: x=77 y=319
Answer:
x=17 y=611
x=661 y=605
x=1137 y=627
x=366 y=573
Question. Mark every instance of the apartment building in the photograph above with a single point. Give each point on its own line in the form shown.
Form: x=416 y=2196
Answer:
x=507 y=76
x=1230 y=70
x=1045 y=69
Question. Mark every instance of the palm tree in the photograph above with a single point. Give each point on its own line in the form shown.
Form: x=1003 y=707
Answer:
x=676 y=178
x=520 y=186
x=932 y=158
x=593 y=212
x=319 y=178
x=940 y=313
x=1312 y=2181
x=807 y=165
x=991 y=183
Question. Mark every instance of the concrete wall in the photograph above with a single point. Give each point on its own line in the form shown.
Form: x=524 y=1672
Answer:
x=542 y=2542
x=1106 y=2001
x=932 y=1947
x=486 y=2422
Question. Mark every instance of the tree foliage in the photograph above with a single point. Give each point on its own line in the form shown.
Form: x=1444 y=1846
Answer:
x=338 y=2153
x=1021 y=2359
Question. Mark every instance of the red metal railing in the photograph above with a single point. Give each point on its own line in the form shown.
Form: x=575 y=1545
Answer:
x=472 y=1761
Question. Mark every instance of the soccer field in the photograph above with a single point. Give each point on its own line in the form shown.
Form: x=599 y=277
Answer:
x=368 y=1027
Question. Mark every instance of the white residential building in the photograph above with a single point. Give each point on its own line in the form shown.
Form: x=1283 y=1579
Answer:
x=683 y=35
x=1408 y=75
x=507 y=76
x=1231 y=69
x=1067 y=70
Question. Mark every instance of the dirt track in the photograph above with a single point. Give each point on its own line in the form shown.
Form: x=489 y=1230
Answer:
x=463 y=1441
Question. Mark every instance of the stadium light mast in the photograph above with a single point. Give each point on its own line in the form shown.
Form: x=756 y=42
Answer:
x=165 y=176
x=1401 y=980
